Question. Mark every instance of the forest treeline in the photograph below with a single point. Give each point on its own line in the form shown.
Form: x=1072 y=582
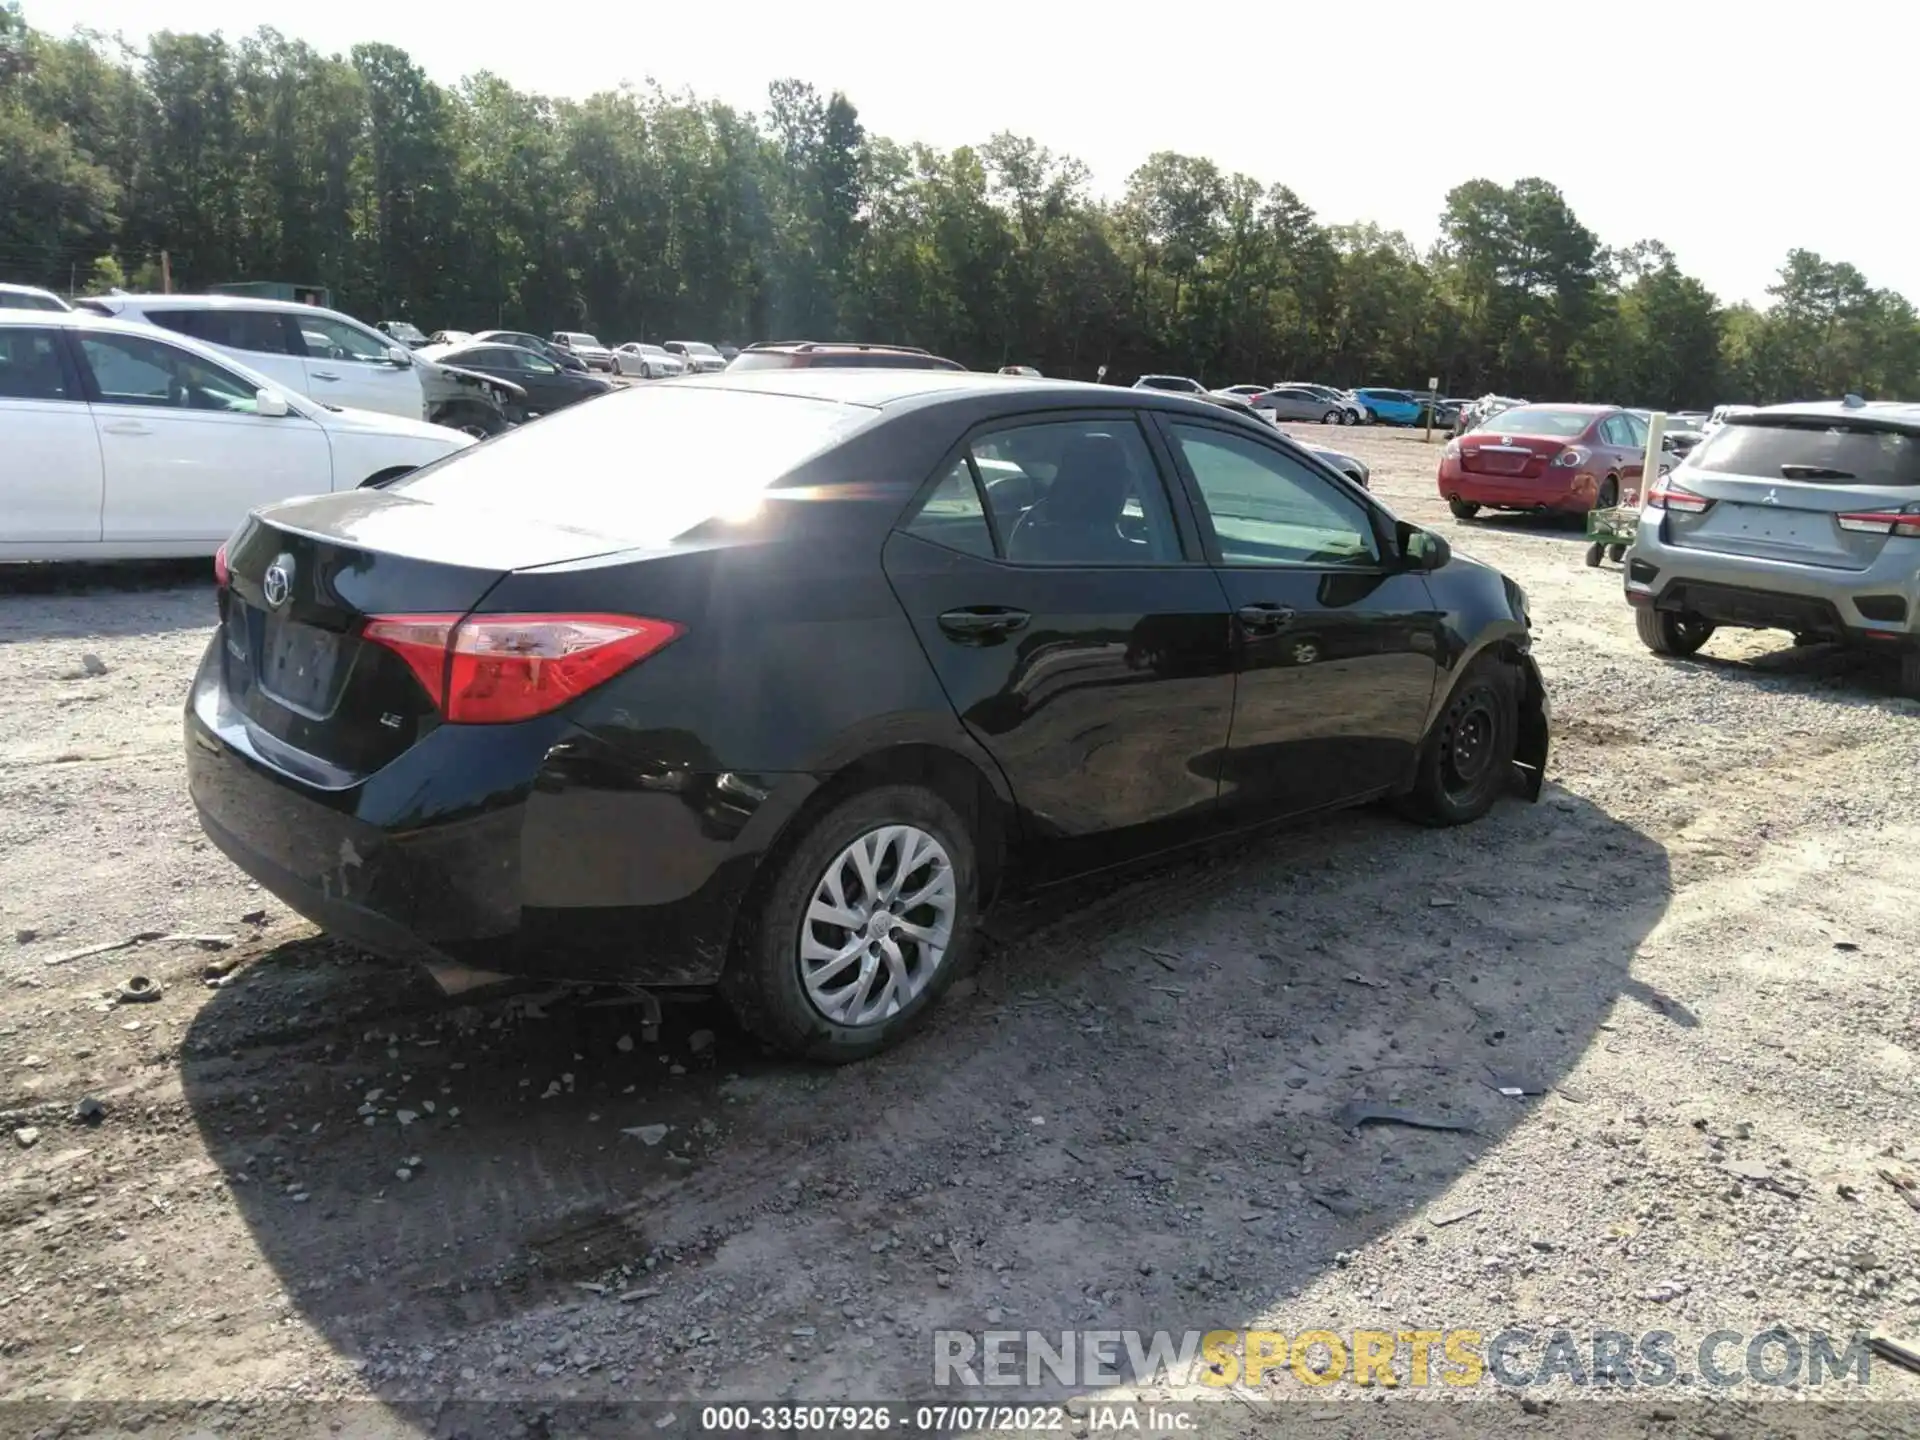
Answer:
x=640 y=214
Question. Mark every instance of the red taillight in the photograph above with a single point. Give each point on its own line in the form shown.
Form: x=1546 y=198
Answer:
x=495 y=669
x=1881 y=522
x=1668 y=494
x=220 y=572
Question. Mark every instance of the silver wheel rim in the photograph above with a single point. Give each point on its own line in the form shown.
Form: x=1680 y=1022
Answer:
x=878 y=926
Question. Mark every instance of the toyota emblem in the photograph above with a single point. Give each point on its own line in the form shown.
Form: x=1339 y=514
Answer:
x=277 y=583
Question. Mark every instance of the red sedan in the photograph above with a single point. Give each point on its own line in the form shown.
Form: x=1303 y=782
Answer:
x=1567 y=459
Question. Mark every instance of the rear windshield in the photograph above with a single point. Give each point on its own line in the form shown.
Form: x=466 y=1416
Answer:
x=1812 y=450
x=1538 y=420
x=762 y=360
x=644 y=465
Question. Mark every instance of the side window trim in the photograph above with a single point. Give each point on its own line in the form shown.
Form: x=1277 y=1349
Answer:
x=1210 y=539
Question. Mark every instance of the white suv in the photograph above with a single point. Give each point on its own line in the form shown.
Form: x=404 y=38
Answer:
x=321 y=354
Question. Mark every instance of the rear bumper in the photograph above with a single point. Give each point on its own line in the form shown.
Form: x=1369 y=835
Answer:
x=566 y=861
x=1879 y=606
x=1573 y=491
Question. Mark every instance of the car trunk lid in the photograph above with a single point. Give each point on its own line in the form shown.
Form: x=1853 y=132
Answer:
x=1795 y=521
x=303 y=579
x=1522 y=457
x=1782 y=486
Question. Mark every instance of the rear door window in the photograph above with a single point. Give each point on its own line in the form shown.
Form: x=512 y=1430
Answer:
x=1077 y=492
x=1815 y=450
x=953 y=514
x=31 y=367
x=262 y=331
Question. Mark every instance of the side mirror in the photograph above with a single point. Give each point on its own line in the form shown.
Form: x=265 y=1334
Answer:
x=399 y=356
x=1422 y=549
x=1667 y=442
x=271 y=403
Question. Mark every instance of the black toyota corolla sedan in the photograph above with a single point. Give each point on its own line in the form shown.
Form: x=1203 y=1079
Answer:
x=774 y=681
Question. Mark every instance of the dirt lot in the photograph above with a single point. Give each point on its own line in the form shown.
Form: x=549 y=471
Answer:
x=321 y=1179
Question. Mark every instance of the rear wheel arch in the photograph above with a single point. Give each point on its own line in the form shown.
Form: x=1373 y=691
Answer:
x=954 y=777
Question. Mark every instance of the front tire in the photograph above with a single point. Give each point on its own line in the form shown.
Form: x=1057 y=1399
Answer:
x=1910 y=674
x=1347 y=417
x=1463 y=509
x=869 y=917
x=1467 y=761
x=1332 y=417
x=471 y=419
x=1665 y=633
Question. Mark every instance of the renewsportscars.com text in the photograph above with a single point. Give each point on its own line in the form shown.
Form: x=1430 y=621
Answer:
x=1518 y=1358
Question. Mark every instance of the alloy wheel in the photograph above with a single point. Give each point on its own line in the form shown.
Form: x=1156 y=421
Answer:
x=878 y=926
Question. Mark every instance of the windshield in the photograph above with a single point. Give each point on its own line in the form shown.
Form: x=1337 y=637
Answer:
x=697 y=348
x=1812 y=449
x=643 y=465
x=1538 y=420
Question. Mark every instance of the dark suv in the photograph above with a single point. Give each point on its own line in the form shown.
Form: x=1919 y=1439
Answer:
x=802 y=354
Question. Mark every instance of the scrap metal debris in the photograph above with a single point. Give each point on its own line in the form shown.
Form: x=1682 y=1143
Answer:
x=1762 y=1175
x=1351 y=1117
x=138 y=990
x=1440 y=1219
x=1904 y=1185
x=1902 y=1355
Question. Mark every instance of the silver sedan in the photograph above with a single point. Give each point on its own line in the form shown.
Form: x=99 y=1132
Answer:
x=1296 y=402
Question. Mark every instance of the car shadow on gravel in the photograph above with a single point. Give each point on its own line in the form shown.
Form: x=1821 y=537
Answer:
x=62 y=602
x=1127 y=1118
x=1845 y=674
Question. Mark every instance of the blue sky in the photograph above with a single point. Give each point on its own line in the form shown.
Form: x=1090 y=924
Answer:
x=1729 y=131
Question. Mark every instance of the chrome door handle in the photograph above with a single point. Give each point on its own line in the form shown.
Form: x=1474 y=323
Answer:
x=126 y=427
x=323 y=375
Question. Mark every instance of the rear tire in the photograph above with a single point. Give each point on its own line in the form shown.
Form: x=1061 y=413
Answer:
x=1608 y=495
x=1665 y=633
x=786 y=940
x=1463 y=509
x=1467 y=761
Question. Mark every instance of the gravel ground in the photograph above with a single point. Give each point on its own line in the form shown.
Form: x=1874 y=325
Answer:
x=317 y=1178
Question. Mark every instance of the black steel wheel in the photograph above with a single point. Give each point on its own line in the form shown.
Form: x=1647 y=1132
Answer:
x=1467 y=761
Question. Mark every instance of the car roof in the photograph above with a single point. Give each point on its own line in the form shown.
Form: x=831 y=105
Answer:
x=904 y=389
x=1903 y=413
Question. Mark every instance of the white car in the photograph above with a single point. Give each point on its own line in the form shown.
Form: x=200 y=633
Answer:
x=30 y=297
x=649 y=362
x=303 y=349
x=700 y=357
x=120 y=442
